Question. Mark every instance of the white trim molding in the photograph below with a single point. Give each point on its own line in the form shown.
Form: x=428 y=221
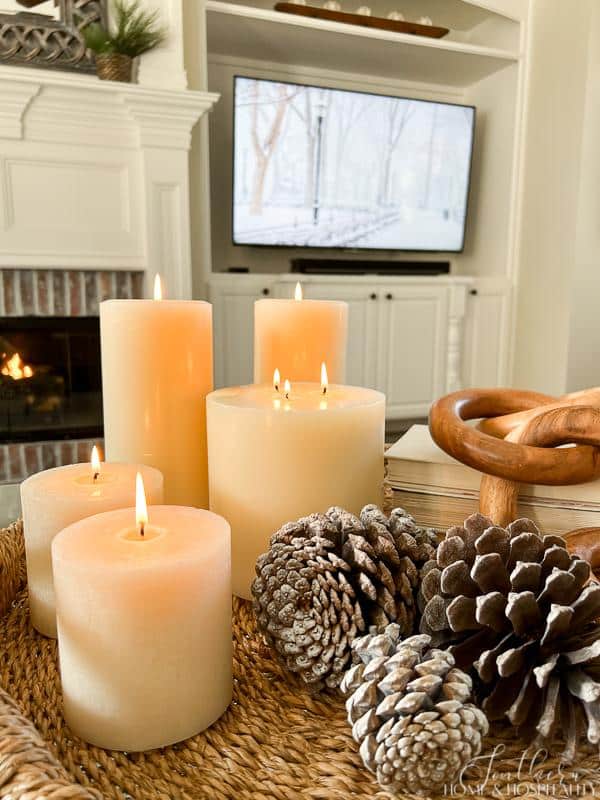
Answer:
x=94 y=174
x=15 y=96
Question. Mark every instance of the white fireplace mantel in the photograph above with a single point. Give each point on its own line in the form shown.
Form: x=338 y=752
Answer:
x=94 y=174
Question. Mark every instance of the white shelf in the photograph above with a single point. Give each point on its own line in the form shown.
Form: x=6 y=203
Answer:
x=257 y=33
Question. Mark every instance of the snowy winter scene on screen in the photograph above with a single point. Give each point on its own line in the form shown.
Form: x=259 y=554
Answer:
x=316 y=167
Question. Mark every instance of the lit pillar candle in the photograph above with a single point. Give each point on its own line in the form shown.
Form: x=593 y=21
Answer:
x=296 y=336
x=275 y=456
x=157 y=369
x=144 y=624
x=55 y=498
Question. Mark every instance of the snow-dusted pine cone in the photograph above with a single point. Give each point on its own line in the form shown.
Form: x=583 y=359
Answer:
x=518 y=608
x=410 y=710
x=326 y=578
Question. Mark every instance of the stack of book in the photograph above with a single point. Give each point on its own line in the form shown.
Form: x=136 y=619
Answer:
x=440 y=492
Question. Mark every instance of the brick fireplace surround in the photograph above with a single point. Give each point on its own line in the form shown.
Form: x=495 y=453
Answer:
x=59 y=293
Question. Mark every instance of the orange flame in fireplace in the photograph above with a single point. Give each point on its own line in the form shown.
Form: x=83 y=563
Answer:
x=14 y=368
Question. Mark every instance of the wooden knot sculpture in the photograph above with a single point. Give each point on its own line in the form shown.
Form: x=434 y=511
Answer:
x=517 y=439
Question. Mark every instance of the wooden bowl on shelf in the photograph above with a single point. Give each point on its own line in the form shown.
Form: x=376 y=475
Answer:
x=380 y=23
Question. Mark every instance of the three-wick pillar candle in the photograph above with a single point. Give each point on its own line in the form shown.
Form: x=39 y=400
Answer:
x=144 y=625
x=297 y=336
x=57 y=497
x=157 y=368
x=273 y=460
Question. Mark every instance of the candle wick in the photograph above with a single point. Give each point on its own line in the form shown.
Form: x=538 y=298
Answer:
x=324 y=390
x=287 y=395
x=142 y=529
x=96 y=474
x=276 y=387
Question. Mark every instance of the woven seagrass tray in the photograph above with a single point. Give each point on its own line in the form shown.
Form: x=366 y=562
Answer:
x=275 y=741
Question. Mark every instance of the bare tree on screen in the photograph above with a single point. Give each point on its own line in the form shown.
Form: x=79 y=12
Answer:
x=399 y=112
x=264 y=147
x=349 y=108
x=306 y=114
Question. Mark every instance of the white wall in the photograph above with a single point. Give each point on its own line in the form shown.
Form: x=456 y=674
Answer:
x=194 y=32
x=553 y=163
x=583 y=365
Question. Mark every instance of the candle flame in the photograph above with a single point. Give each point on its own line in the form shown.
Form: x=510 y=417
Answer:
x=276 y=380
x=141 y=509
x=324 y=378
x=298 y=292
x=158 y=290
x=287 y=388
x=95 y=459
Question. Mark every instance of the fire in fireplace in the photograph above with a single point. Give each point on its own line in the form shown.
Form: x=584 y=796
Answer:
x=50 y=380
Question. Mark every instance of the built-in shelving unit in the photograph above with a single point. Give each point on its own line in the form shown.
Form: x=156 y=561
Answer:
x=250 y=32
x=483 y=61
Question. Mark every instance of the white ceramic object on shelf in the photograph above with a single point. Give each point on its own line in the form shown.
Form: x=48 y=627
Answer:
x=396 y=16
x=298 y=2
x=425 y=21
x=364 y=11
x=332 y=5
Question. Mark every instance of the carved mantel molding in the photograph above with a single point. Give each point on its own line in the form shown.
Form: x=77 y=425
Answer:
x=158 y=117
x=94 y=174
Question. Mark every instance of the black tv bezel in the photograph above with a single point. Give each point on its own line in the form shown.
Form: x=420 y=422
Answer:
x=334 y=249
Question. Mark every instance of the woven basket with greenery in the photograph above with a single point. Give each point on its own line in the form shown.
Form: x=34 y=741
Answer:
x=133 y=31
x=275 y=741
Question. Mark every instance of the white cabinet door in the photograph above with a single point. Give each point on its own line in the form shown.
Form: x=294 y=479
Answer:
x=486 y=336
x=413 y=328
x=233 y=326
x=361 y=364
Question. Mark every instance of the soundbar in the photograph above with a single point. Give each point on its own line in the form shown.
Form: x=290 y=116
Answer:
x=345 y=266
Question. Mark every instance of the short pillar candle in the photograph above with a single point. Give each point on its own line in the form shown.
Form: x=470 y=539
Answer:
x=144 y=625
x=157 y=368
x=274 y=458
x=57 y=497
x=297 y=336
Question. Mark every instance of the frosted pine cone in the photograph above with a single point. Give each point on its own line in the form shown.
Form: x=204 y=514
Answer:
x=409 y=710
x=327 y=577
x=518 y=608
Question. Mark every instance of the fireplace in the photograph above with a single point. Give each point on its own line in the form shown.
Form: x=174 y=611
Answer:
x=50 y=379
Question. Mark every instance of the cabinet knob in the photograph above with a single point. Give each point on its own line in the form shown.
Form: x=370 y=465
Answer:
x=473 y=292
x=389 y=296
x=266 y=291
x=373 y=296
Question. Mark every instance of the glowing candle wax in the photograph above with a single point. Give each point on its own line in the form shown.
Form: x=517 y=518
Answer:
x=276 y=455
x=296 y=336
x=157 y=368
x=144 y=624
x=55 y=498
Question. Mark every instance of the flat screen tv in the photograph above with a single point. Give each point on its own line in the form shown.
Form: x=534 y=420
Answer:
x=329 y=168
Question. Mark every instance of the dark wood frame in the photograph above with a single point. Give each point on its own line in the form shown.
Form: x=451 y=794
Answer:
x=34 y=40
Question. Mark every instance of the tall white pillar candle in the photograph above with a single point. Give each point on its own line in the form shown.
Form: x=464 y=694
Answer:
x=157 y=369
x=55 y=498
x=297 y=336
x=144 y=625
x=272 y=459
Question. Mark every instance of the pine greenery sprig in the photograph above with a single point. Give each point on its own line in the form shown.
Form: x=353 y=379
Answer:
x=134 y=31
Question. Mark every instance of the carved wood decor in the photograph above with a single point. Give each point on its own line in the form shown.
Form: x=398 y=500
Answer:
x=36 y=40
x=508 y=445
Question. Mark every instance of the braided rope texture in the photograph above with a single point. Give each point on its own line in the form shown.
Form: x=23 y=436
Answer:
x=276 y=741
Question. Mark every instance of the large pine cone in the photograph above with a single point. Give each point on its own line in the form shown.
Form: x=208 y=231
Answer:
x=327 y=577
x=517 y=607
x=409 y=710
